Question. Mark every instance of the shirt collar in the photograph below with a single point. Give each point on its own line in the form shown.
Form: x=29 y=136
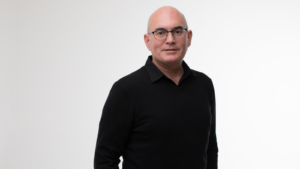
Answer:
x=156 y=74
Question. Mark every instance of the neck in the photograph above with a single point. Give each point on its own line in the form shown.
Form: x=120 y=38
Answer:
x=173 y=71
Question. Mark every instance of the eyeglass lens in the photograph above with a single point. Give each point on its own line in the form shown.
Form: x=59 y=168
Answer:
x=162 y=34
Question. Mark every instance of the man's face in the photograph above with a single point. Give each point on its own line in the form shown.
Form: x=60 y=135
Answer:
x=169 y=50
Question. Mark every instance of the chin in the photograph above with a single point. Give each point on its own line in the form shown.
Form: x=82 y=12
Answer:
x=170 y=58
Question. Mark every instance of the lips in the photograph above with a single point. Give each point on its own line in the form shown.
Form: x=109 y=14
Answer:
x=171 y=49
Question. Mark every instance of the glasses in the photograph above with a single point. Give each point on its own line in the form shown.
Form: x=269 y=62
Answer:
x=162 y=34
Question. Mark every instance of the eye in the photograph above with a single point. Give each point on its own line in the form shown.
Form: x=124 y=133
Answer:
x=160 y=33
x=178 y=31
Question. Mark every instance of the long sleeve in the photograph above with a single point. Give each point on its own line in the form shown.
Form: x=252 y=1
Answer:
x=114 y=129
x=212 y=151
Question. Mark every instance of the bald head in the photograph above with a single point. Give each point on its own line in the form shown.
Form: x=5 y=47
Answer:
x=164 y=12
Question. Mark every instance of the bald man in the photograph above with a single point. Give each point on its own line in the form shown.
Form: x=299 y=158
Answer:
x=163 y=115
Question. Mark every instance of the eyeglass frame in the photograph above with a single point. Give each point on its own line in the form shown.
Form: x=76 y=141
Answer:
x=186 y=29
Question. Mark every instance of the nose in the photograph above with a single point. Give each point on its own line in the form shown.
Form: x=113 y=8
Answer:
x=170 y=37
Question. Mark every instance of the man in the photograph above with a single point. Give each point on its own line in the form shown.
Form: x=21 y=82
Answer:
x=161 y=116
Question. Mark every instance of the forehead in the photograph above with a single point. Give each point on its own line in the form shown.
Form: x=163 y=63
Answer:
x=167 y=20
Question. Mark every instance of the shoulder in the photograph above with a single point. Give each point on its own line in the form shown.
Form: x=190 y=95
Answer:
x=201 y=76
x=204 y=80
x=133 y=80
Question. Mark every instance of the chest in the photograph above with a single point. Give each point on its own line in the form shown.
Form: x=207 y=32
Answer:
x=171 y=112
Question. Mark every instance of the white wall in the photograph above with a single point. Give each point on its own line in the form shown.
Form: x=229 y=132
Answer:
x=59 y=59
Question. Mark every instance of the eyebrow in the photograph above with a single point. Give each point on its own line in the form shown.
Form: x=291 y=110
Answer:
x=177 y=27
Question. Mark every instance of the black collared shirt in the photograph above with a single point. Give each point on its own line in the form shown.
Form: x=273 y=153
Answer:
x=155 y=124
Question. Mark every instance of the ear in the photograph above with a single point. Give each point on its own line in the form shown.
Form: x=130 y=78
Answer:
x=190 y=35
x=147 y=41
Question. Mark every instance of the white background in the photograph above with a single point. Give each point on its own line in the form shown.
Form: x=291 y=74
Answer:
x=59 y=59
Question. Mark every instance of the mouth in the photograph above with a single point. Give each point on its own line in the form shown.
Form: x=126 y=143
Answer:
x=170 y=50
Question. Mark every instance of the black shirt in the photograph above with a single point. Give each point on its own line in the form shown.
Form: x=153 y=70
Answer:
x=155 y=124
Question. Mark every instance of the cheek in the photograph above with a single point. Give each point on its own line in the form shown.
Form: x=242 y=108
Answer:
x=185 y=44
x=156 y=46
